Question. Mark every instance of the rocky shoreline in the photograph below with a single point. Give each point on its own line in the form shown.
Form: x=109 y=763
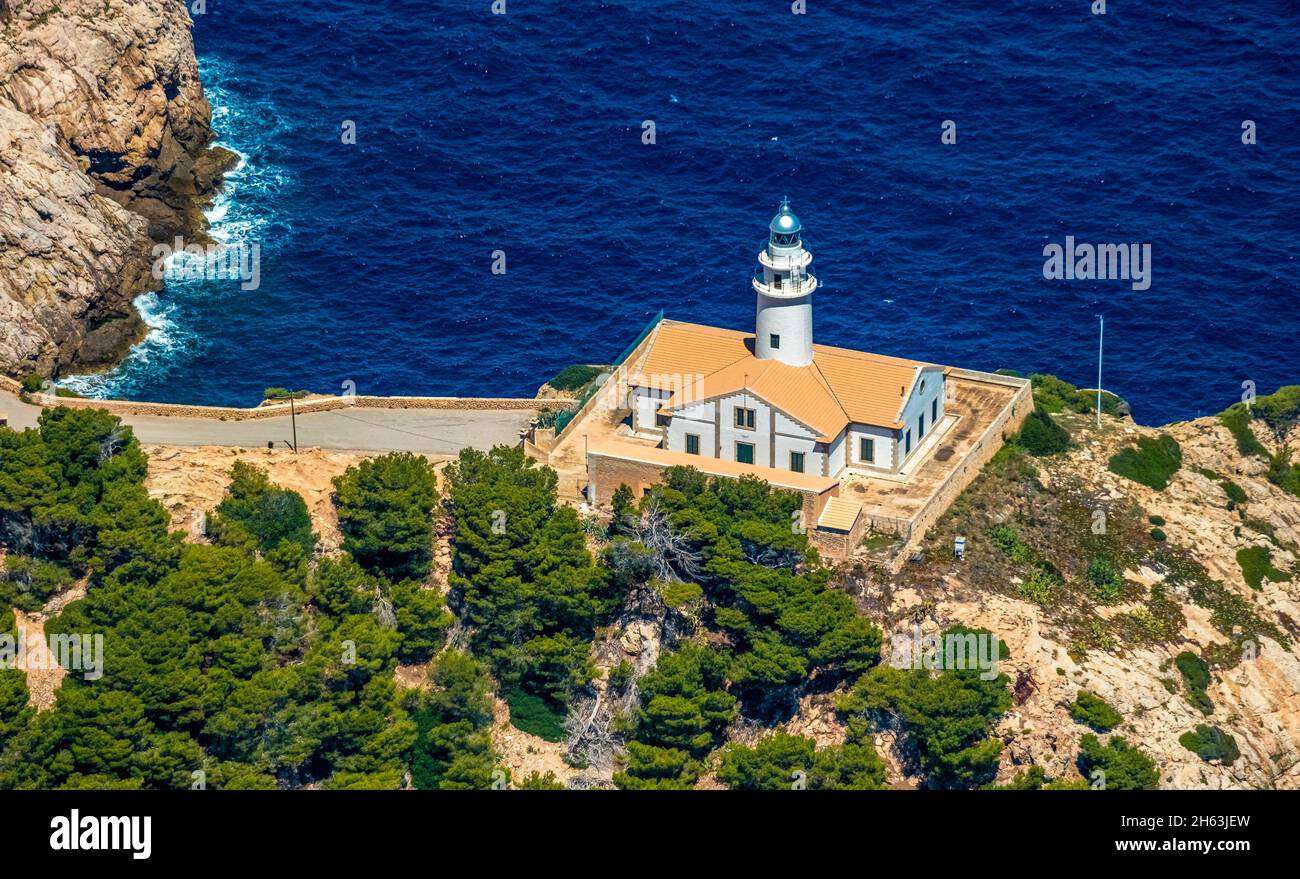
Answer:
x=105 y=148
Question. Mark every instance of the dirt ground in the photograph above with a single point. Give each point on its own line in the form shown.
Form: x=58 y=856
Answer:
x=191 y=480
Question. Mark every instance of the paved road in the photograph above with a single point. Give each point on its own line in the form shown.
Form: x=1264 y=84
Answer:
x=430 y=431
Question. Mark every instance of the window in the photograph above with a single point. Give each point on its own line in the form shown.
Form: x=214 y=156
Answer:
x=662 y=420
x=907 y=447
x=866 y=450
x=745 y=453
x=774 y=340
x=744 y=417
x=796 y=462
x=934 y=411
x=920 y=426
x=692 y=443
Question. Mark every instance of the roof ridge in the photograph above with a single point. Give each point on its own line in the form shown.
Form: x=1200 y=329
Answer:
x=830 y=389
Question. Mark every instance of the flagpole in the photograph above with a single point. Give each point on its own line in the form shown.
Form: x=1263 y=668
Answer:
x=1101 y=335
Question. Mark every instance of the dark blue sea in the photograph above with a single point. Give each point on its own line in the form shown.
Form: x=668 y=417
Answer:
x=523 y=133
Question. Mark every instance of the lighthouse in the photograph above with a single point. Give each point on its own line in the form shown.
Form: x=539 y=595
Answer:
x=783 y=326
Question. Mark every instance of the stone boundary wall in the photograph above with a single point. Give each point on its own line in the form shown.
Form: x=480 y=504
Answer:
x=302 y=407
x=1008 y=422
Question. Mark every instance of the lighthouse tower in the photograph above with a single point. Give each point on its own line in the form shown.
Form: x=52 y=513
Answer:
x=783 y=328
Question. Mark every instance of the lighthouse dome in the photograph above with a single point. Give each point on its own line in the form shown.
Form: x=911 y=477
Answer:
x=785 y=226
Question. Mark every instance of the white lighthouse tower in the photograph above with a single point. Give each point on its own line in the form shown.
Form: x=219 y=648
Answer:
x=783 y=328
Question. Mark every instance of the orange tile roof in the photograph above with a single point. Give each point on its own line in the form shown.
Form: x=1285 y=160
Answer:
x=840 y=514
x=840 y=385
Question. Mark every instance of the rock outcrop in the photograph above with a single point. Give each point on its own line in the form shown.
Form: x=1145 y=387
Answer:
x=1256 y=700
x=104 y=148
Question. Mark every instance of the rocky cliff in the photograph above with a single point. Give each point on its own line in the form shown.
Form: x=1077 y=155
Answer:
x=1183 y=592
x=104 y=148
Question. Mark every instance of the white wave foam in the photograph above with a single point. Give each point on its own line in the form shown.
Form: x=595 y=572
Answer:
x=238 y=216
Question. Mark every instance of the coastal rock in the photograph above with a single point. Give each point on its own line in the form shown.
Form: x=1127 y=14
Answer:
x=106 y=145
x=70 y=259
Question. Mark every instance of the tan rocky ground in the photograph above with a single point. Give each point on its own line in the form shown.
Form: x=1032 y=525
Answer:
x=525 y=753
x=191 y=480
x=1257 y=700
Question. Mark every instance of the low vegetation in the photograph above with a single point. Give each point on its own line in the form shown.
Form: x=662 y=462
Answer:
x=275 y=394
x=1054 y=395
x=1116 y=764
x=1195 y=672
x=1211 y=743
x=945 y=719
x=574 y=377
x=1040 y=435
x=788 y=762
x=1279 y=413
x=1151 y=461
x=1257 y=566
x=1090 y=709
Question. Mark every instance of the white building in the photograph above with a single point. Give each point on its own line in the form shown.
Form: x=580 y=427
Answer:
x=773 y=398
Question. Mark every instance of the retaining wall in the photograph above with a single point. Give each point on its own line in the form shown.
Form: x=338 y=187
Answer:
x=302 y=407
x=1007 y=423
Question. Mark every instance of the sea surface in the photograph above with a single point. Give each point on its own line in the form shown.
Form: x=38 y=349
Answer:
x=523 y=133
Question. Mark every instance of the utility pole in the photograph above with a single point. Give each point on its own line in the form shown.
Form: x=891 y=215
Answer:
x=1101 y=335
x=293 y=417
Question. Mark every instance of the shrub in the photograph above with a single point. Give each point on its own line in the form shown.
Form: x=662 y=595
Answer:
x=677 y=594
x=573 y=377
x=1279 y=410
x=32 y=383
x=1257 y=565
x=1121 y=766
x=534 y=715
x=537 y=781
x=1158 y=521
x=1237 y=419
x=283 y=394
x=1235 y=492
x=1006 y=539
x=1196 y=678
x=620 y=675
x=1157 y=535
x=1089 y=708
x=1051 y=394
x=269 y=513
x=1211 y=743
x=1038 y=586
x=1152 y=462
x=1040 y=435
x=1282 y=473
x=1106 y=582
